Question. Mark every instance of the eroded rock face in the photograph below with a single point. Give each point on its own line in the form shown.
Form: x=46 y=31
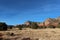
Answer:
x=41 y=24
x=28 y=23
x=53 y=22
x=50 y=22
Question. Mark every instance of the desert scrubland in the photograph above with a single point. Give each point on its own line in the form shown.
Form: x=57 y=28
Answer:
x=33 y=34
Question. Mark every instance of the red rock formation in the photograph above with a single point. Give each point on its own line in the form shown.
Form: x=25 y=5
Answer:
x=27 y=23
x=41 y=24
x=49 y=22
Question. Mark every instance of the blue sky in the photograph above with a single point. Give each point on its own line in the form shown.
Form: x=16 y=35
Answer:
x=18 y=11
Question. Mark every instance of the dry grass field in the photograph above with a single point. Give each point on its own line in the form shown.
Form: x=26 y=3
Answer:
x=34 y=34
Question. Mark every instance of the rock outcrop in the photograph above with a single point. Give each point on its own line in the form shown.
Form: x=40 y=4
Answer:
x=50 y=22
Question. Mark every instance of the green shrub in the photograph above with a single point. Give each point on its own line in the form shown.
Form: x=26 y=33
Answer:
x=20 y=27
x=3 y=26
x=34 y=25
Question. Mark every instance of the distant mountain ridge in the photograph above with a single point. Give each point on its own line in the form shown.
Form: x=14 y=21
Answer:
x=51 y=22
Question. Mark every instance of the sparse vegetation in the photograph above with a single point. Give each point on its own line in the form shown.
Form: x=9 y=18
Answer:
x=19 y=26
x=42 y=31
x=34 y=25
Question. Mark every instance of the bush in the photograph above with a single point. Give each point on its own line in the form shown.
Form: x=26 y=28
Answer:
x=51 y=26
x=20 y=27
x=3 y=26
x=34 y=25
